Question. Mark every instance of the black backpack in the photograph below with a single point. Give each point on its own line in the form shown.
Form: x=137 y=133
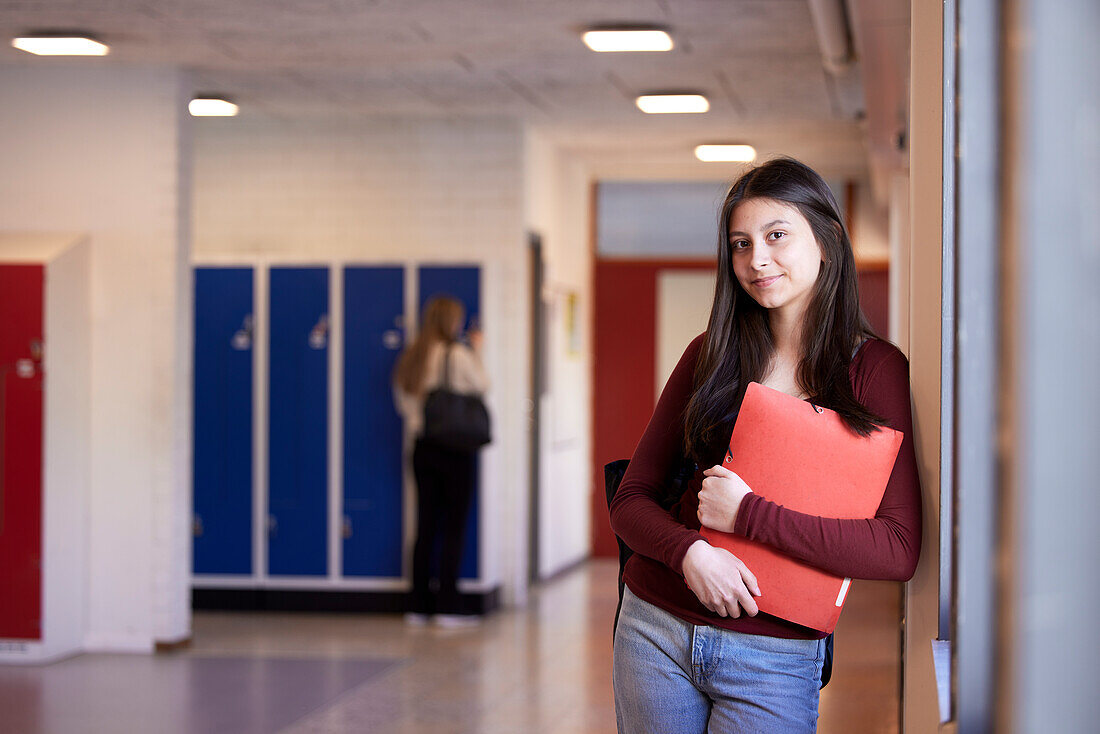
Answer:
x=613 y=473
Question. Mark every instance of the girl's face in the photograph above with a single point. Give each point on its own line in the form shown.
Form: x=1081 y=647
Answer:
x=775 y=256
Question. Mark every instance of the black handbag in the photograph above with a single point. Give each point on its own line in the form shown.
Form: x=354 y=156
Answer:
x=454 y=420
x=613 y=473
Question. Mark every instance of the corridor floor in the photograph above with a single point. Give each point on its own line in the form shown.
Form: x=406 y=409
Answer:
x=542 y=670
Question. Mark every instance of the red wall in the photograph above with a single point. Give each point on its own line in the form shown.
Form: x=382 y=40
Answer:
x=874 y=297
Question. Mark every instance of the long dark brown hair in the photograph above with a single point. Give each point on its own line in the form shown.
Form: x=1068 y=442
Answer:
x=440 y=322
x=738 y=346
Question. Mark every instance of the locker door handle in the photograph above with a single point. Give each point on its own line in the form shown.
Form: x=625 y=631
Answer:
x=272 y=525
x=196 y=526
x=242 y=337
x=318 y=335
x=347 y=527
x=391 y=339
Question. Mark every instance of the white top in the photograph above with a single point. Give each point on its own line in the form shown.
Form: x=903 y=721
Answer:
x=467 y=377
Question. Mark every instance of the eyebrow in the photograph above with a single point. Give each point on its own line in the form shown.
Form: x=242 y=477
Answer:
x=769 y=225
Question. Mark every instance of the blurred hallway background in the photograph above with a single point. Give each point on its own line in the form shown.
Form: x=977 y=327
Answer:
x=198 y=318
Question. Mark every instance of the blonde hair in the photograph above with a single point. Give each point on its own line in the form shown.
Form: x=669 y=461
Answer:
x=440 y=322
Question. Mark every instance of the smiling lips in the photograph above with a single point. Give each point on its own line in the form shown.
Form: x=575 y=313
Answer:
x=765 y=282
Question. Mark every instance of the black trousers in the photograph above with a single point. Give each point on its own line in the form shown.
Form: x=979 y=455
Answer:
x=444 y=490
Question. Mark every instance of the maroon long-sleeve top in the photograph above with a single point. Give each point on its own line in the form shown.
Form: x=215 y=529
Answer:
x=886 y=546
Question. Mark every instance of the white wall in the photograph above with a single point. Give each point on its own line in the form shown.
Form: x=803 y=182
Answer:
x=95 y=149
x=871 y=226
x=899 y=223
x=684 y=301
x=67 y=454
x=401 y=191
x=558 y=207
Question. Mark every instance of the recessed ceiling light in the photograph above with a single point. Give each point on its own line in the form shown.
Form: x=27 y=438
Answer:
x=627 y=39
x=725 y=153
x=212 y=107
x=49 y=44
x=656 y=104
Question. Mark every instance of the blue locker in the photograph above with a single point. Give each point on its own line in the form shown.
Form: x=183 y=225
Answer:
x=374 y=304
x=298 y=423
x=222 y=469
x=463 y=283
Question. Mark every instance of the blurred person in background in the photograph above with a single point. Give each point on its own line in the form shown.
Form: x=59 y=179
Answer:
x=444 y=475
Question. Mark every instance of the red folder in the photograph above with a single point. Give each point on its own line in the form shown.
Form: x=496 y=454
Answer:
x=803 y=457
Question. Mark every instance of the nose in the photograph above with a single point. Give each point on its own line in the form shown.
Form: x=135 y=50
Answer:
x=760 y=257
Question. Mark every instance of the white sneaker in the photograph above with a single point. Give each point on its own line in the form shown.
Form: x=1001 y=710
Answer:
x=457 y=621
x=415 y=619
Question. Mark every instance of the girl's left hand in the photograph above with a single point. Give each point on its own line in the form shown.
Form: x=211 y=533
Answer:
x=720 y=498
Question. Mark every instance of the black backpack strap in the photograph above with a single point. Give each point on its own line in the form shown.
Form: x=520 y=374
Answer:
x=827 y=666
x=613 y=476
x=447 y=365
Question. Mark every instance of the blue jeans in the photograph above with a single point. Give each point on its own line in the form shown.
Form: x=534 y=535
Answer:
x=673 y=677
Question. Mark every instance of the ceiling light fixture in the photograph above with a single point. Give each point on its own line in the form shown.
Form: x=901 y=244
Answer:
x=725 y=153
x=613 y=40
x=212 y=107
x=60 y=44
x=659 y=104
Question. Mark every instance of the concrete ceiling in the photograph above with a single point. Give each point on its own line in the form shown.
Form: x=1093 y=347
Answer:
x=757 y=60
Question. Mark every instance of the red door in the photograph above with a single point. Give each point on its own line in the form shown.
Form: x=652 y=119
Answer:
x=21 y=292
x=624 y=369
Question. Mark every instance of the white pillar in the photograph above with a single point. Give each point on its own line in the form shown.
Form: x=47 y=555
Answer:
x=102 y=151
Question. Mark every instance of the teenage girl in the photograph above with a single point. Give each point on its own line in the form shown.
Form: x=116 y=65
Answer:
x=692 y=653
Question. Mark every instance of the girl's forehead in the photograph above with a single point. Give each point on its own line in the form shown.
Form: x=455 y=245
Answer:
x=759 y=212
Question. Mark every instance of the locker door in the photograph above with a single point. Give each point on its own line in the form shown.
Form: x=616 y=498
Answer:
x=21 y=302
x=298 y=423
x=223 y=421
x=374 y=305
x=463 y=283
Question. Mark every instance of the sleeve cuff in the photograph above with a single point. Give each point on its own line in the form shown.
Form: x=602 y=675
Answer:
x=746 y=513
x=677 y=561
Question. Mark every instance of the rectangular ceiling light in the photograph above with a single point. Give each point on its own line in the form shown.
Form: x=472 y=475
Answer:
x=210 y=107
x=627 y=40
x=657 y=104
x=60 y=46
x=725 y=153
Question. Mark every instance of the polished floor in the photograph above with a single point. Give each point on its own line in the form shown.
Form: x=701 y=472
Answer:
x=542 y=670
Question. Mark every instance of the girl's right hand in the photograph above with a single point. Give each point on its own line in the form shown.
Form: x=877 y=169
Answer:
x=722 y=583
x=475 y=338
